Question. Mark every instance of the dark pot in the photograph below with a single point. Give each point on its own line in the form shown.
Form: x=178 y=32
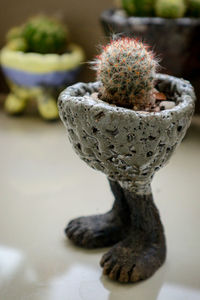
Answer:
x=175 y=41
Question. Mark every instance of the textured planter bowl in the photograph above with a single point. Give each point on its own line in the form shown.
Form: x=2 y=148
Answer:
x=129 y=147
x=175 y=41
x=126 y=145
x=33 y=74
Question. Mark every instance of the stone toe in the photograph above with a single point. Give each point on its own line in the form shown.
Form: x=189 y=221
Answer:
x=94 y=231
x=133 y=263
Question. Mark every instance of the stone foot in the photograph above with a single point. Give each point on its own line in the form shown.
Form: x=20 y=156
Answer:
x=96 y=231
x=105 y=229
x=134 y=259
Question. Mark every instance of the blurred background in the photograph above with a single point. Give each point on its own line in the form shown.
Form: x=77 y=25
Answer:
x=81 y=17
x=44 y=184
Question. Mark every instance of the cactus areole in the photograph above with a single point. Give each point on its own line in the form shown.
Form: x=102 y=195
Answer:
x=126 y=68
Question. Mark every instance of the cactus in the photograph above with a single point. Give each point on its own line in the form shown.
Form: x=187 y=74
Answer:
x=170 y=8
x=40 y=34
x=138 y=7
x=128 y=6
x=45 y=35
x=15 y=39
x=144 y=7
x=14 y=33
x=194 y=8
x=126 y=69
x=17 y=44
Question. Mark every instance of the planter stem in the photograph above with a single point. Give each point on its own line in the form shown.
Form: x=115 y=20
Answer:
x=143 y=250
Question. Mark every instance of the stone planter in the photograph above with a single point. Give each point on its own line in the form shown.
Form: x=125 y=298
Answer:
x=39 y=76
x=129 y=147
x=175 y=41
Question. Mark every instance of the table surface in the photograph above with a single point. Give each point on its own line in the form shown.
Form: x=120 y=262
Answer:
x=44 y=184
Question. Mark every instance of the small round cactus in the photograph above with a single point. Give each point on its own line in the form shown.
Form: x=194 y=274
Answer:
x=129 y=6
x=138 y=7
x=160 y=8
x=194 y=8
x=17 y=44
x=45 y=35
x=14 y=33
x=170 y=8
x=144 y=7
x=126 y=69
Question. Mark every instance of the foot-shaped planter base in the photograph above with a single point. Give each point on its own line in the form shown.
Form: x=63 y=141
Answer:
x=15 y=105
x=102 y=230
x=135 y=258
x=134 y=224
x=95 y=231
x=47 y=107
x=18 y=99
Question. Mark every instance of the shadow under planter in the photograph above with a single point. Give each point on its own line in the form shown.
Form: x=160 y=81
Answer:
x=175 y=41
x=129 y=147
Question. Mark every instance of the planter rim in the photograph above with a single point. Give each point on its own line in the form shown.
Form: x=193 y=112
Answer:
x=78 y=94
x=111 y=14
x=41 y=63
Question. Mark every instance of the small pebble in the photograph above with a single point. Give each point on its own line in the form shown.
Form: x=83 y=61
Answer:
x=160 y=96
x=166 y=104
x=95 y=96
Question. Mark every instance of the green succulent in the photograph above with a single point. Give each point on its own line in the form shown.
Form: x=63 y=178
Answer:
x=14 y=33
x=40 y=34
x=138 y=7
x=45 y=35
x=129 y=6
x=17 y=44
x=194 y=8
x=170 y=8
x=144 y=7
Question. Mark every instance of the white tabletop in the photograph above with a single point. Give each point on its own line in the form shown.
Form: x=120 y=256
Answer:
x=43 y=184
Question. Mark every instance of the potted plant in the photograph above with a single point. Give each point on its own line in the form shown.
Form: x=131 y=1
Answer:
x=37 y=61
x=171 y=27
x=127 y=125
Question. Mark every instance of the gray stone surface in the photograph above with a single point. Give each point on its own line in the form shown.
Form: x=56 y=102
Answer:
x=128 y=146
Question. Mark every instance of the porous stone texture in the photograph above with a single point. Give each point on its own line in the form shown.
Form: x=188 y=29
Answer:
x=128 y=146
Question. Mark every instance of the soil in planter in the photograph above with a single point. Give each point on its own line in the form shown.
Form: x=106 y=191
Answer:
x=162 y=102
